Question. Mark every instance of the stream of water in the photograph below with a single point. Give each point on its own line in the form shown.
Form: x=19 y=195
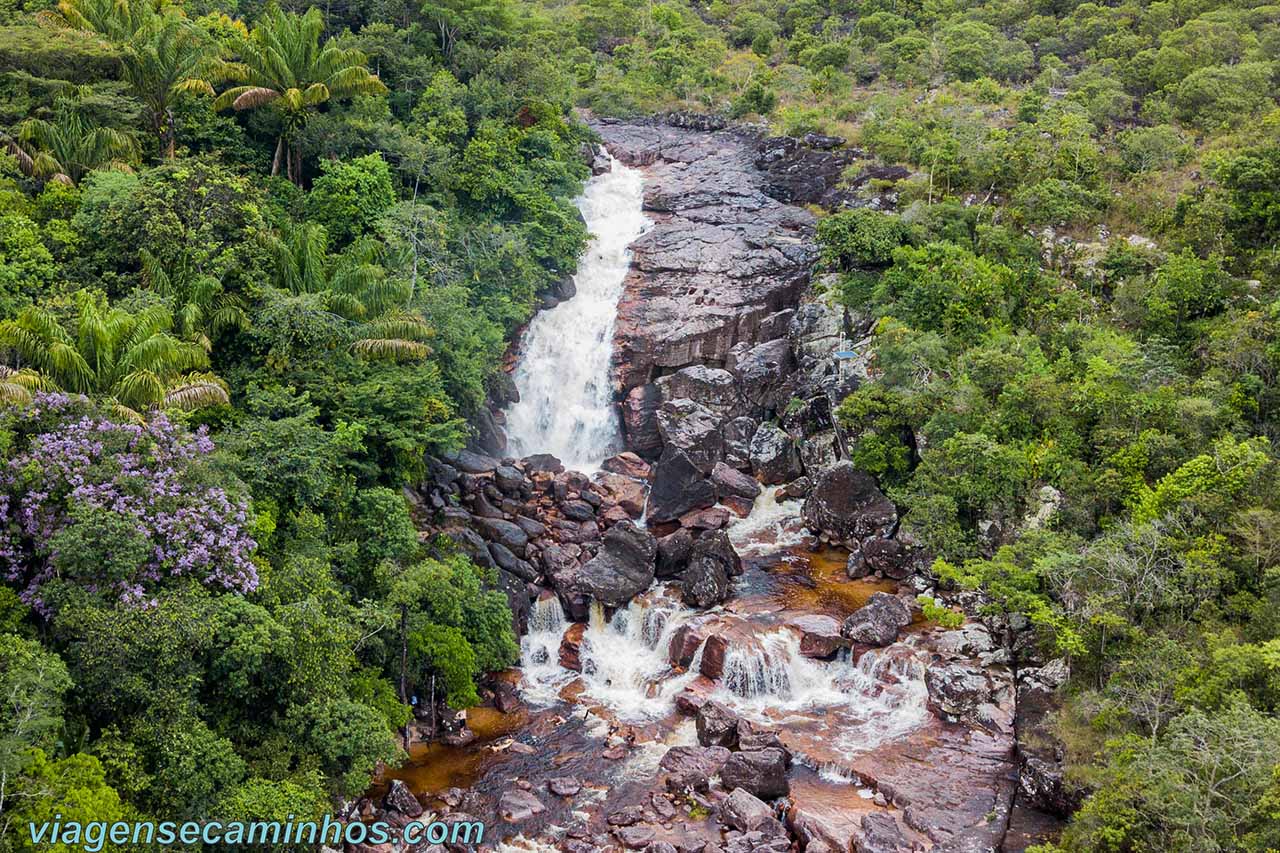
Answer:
x=627 y=666
x=566 y=405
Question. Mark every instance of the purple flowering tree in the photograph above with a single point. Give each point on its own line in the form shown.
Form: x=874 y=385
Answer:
x=113 y=508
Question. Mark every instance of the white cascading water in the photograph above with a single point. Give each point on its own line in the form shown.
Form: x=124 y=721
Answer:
x=541 y=673
x=770 y=526
x=566 y=405
x=625 y=661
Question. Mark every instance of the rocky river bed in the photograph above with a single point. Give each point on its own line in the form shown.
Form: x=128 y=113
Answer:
x=722 y=645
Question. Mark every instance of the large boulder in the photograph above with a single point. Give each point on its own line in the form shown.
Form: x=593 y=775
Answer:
x=685 y=760
x=640 y=420
x=761 y=772
x=505 y=533
x=402 y=800
x=730 y=481
x=717 y=725
x=678 y=487
x=846 y=505
x=983 y=696
x=705 y=581
x=877 y=622
x=881 y=834
x=710 y=387
x=819 y=635
x=694 y=429
x=762 y=371
x=673 y=552
x=622 y=569
x=747 y=813
x=774 y=458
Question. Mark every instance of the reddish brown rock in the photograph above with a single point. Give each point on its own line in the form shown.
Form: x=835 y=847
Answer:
x=571 y=647
x=712 y=518
x=819 y=635
x=713 y=657
x=627 y=464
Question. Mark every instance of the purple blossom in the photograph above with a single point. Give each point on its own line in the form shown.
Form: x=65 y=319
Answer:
x=149 y=474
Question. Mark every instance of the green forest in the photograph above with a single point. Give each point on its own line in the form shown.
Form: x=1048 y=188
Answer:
x=259 y=263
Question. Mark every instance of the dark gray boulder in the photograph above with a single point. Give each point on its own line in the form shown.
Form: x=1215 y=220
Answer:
x=846 y=505
x=673 y=553
x=503 y=532
x=878 y=621
x=746 y=812
x=774 y=458
x=762 y=372
x=730 y=481
x=762 y=773
x=712 y=562
x=737 y=442
x=693 y=429
x=678 y=487
x=511 y=563
x=622 y=569
x=717 y=725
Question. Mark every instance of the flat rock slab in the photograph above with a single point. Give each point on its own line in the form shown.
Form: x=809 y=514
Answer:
x=722 y=254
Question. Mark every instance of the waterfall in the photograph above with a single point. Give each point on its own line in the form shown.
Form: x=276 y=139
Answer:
x=624 y=659
x=770 y=673
x=772 y=525
x=566 y=405
x=541 y=673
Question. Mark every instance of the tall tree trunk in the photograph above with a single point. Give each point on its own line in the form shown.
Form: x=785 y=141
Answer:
x=276 y=161
x=404 y=667
x=171 y=135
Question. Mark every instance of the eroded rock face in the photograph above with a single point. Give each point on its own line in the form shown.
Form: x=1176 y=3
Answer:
x=847 y=506
x=721 y=257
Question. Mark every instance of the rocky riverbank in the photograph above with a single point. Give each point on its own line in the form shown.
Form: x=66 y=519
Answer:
x=695 y=677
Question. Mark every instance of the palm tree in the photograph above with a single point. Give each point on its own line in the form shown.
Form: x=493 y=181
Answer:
x=354 y=286
x=116 y=20
x=131 y=360
x=163 y=55
x=202 y=307
x=167 y=59
x=69 y=146
x=285 y=67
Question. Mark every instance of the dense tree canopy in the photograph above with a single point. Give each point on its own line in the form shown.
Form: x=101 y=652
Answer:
x=258 y=261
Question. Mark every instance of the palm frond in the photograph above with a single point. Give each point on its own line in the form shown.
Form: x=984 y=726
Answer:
x=391 y=348
x=197 y=391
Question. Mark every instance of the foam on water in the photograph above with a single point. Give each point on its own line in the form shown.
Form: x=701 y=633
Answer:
x=770 y=526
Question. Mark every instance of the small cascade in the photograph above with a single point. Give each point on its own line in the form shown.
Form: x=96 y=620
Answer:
x=770 y=673
x=542 y=675
x=770 y=526
x=624 y=659
x=566 y=406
